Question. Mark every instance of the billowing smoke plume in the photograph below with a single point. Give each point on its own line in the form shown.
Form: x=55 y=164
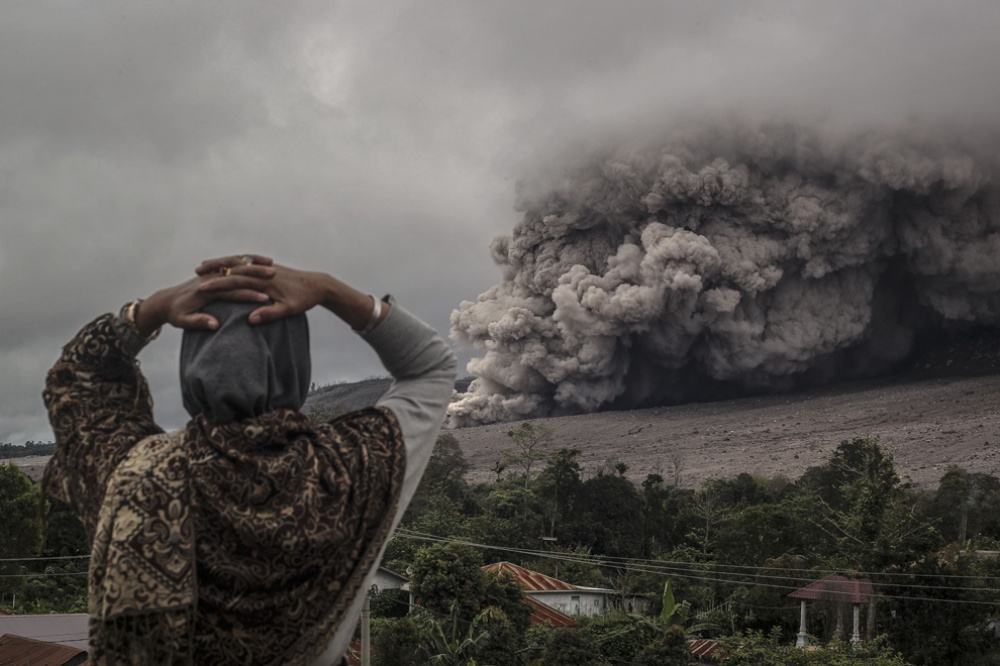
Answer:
x=731 y=259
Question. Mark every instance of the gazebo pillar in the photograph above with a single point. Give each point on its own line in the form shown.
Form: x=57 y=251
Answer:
x=803 y=638
x=856 y=636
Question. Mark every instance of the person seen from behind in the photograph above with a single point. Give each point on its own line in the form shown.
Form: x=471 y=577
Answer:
x=252 y=535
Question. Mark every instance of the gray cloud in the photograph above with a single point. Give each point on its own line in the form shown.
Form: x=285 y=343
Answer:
x=383 y=143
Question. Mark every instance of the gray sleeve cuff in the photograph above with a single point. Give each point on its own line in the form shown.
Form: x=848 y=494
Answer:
x=401 y=342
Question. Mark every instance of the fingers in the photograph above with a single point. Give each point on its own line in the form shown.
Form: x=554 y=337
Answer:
x=197 y=321
x=265 y=272
x=270 y=313
x=238 y=281
x=243 y=295
x=260 y=259
x=232 y=261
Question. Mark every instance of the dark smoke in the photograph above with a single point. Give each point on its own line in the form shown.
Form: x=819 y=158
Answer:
x=732 y=259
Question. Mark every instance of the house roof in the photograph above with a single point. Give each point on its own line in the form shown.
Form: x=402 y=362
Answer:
x=543 y=614
x=63 y=628
x=21 y=650
x=703 y=647
x=596 y=590
x=836 y=588
x=531 y=581
x=385 y=571
x=389 y=580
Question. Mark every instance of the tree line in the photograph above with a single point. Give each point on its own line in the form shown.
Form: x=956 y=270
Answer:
x=29 y=448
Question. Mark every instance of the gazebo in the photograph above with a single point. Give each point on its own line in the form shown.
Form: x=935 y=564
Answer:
x=840 y=590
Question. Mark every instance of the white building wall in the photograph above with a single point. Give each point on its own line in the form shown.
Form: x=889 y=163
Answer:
x=385 y=580
x=575 y=603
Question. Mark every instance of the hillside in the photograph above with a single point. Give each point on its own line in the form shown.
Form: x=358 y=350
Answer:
x=942 y=408
x=928 y=425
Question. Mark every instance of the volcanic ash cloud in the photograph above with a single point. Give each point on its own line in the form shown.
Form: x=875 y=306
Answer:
x=729 y=260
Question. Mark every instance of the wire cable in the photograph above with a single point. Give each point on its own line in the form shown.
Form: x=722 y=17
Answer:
x=645 y=568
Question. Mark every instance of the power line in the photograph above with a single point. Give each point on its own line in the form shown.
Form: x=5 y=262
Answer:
x=45 y=559
x=644 y=568
x=44 y=573
x=719 y=565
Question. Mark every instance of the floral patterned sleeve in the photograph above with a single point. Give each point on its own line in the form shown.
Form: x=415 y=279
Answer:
x=99 y=407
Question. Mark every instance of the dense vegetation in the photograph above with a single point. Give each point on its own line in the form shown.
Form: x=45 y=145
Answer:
x=56 y=582
x=732 y=551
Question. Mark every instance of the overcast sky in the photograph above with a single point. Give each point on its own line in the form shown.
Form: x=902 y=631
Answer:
x=382 y=141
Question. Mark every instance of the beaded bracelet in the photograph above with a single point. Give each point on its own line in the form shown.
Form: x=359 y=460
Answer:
x=128 y=314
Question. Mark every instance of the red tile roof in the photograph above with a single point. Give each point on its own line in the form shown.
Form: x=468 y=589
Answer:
x=531 y=581
x=20 y=650
x=543 y=614
x=836 y=588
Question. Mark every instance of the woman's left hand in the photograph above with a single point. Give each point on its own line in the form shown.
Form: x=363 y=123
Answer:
x=181 y=304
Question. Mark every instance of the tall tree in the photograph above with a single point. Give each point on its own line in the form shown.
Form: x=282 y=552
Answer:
x=877 y=527
x=443 y=481
x=21 y=525
x=608 y=518
x=528 y=441
x=558 y=485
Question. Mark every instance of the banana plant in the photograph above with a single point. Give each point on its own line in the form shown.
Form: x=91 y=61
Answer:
x=672 y=609
x=454 y=647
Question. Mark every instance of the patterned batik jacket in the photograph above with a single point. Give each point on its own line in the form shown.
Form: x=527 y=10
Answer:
x=242 y=543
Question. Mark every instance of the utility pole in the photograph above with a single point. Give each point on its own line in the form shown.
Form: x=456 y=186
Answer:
x=366 y=622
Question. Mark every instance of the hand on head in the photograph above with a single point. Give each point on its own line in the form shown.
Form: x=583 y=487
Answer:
x=292 y=291
x=281 y=291
x=181 y=305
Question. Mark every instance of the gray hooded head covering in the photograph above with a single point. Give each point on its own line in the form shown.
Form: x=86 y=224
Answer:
x=241 y=370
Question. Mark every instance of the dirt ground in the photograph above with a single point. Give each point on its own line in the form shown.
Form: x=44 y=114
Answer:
x=927 y=425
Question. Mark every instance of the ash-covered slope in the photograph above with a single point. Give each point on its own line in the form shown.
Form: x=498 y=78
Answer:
x=349 y=396
x=928 y=425
x=730 y=260
x=943 y=408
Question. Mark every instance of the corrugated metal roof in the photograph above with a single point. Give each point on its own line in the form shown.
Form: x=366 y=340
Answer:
x=703 y=647
x=22 y=650
x=543 y=614
x=64 y=628
x=836 y=588
x=531 y=581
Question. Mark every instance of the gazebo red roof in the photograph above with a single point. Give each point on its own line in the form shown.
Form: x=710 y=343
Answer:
x=836 y=588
